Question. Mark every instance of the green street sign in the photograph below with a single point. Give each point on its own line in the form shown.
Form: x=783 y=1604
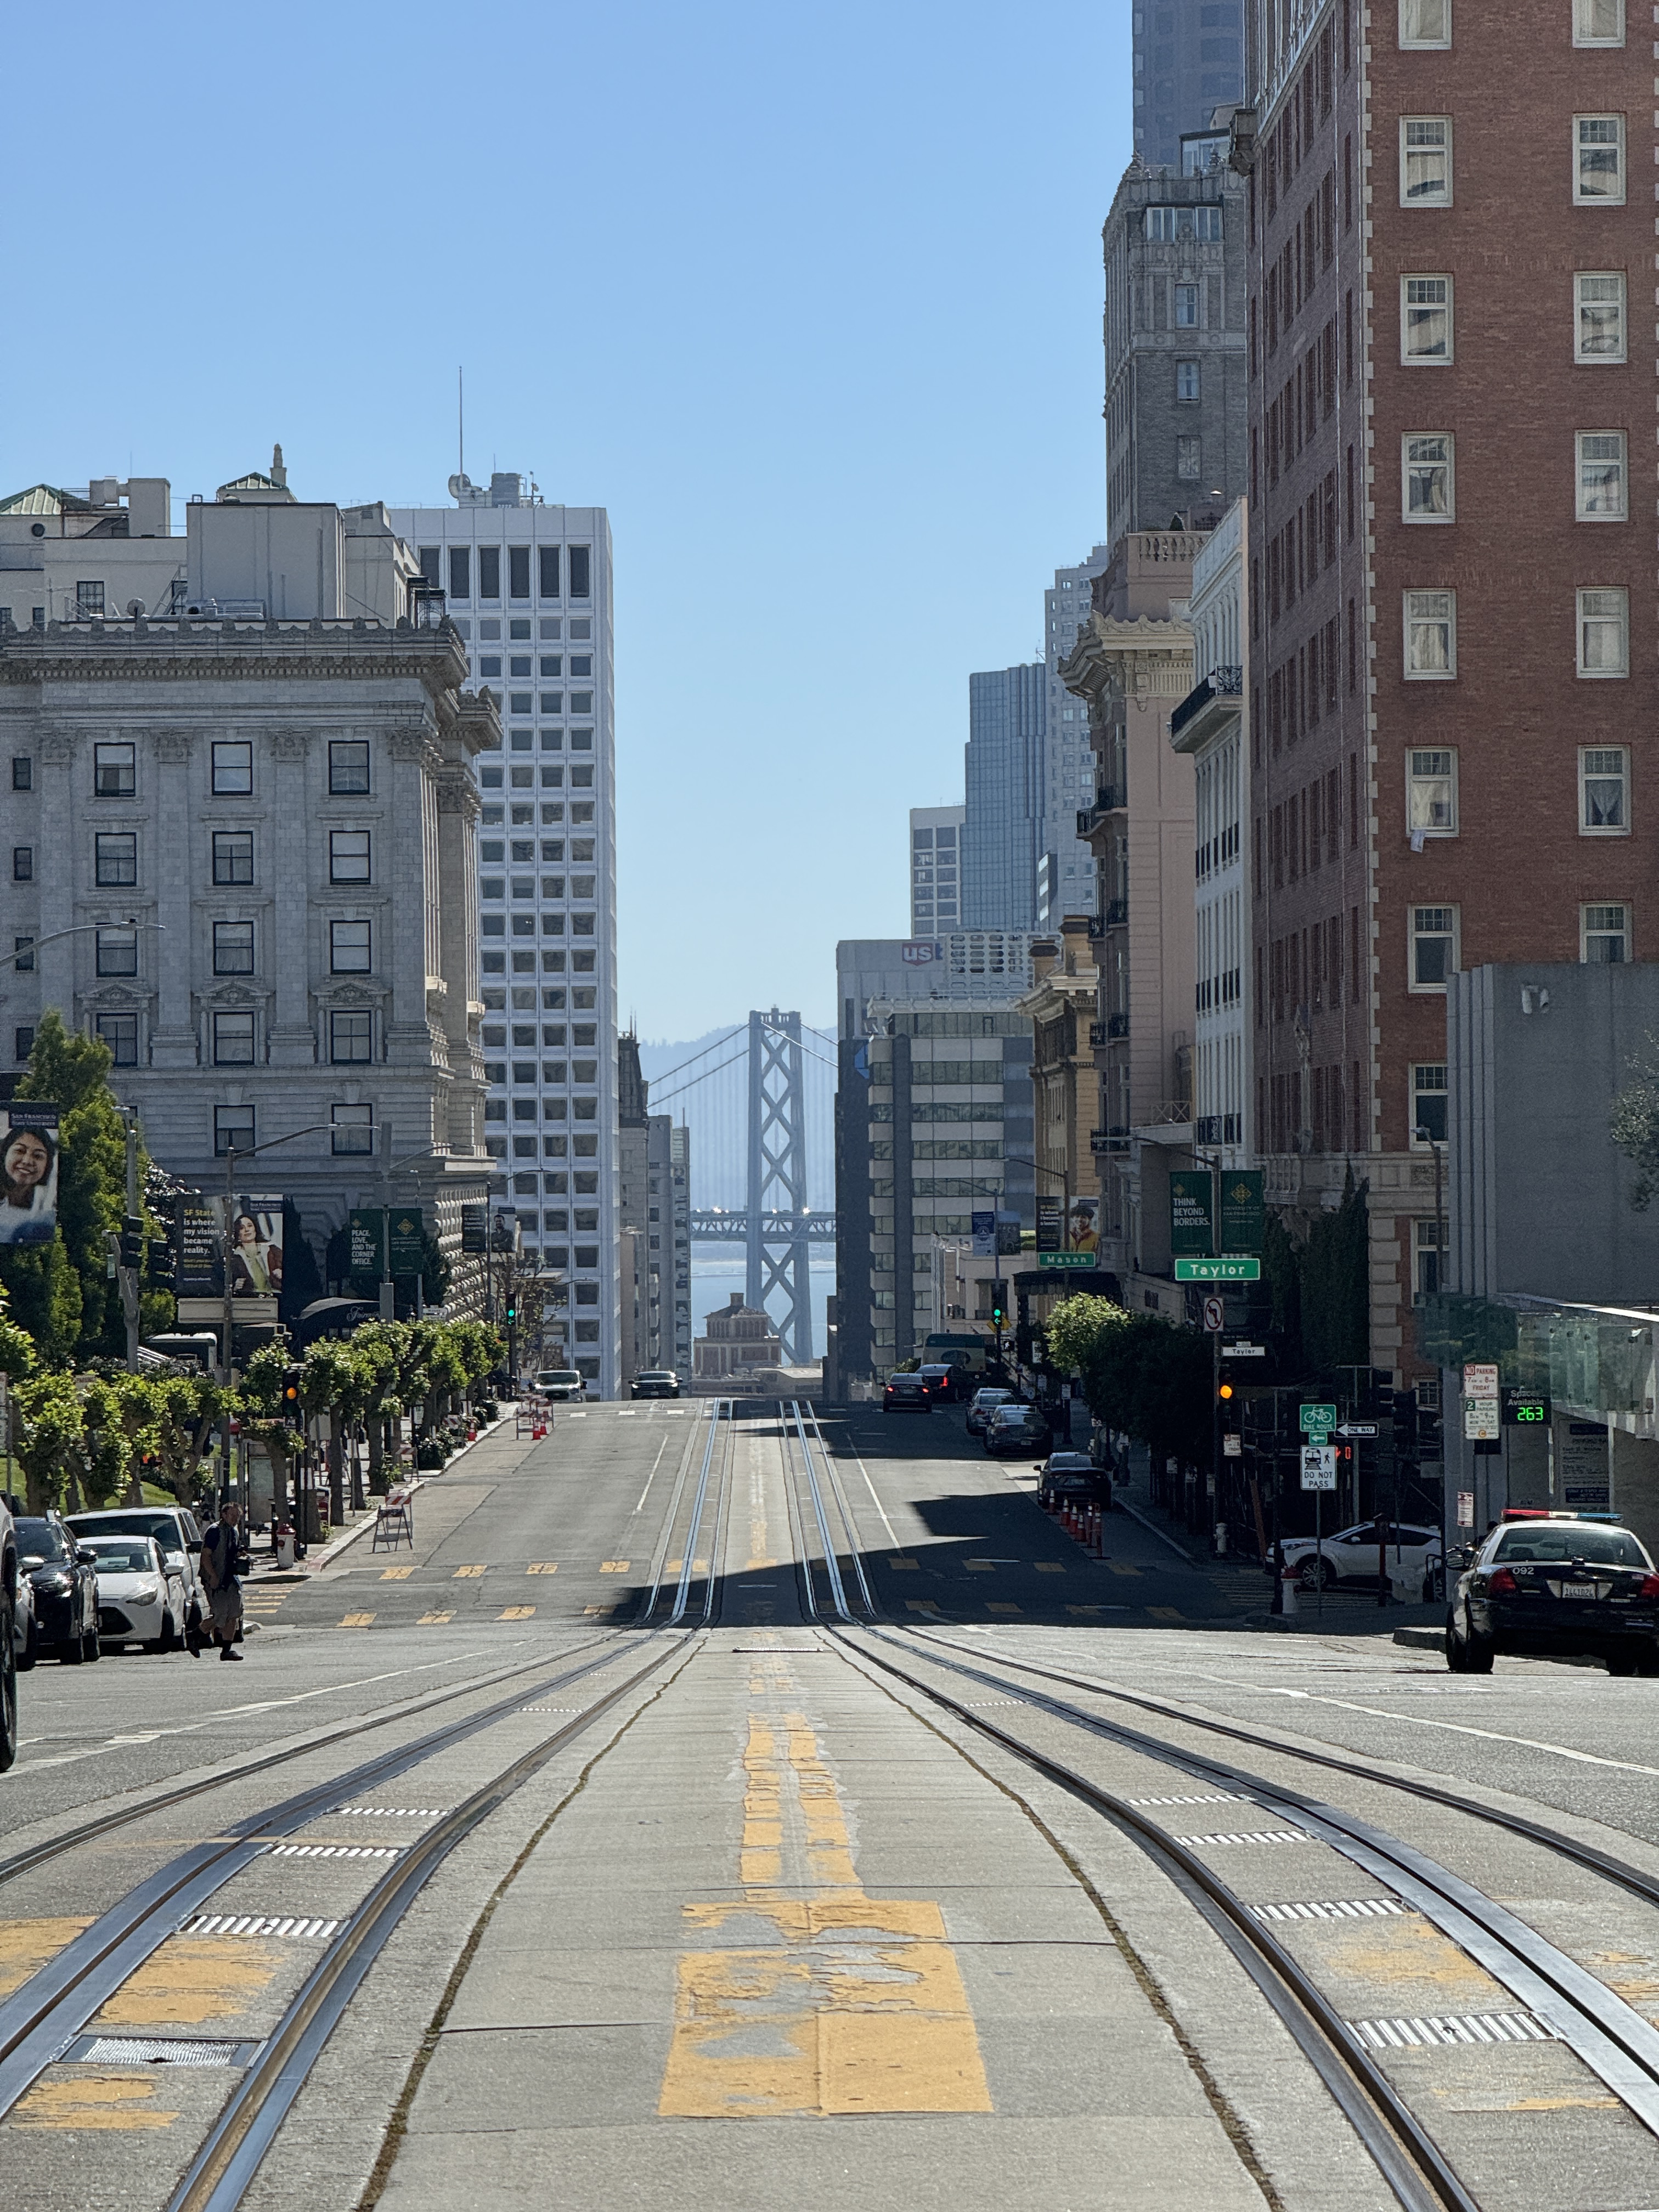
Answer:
x=1065 y=1258
x=1318 y=1420
x=1232 y=1267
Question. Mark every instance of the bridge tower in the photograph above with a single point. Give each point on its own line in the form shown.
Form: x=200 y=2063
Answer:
x=776 y=1240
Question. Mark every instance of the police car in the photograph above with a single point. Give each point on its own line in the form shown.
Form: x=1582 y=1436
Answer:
x=1555 y=1585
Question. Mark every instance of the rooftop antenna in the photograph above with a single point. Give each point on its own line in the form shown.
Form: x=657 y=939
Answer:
x=460 y=419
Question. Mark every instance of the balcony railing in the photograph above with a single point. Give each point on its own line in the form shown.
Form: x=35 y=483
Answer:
x=1220 y=683
x=1109 y=800
x=1097 y=1036
x=1115 y=1140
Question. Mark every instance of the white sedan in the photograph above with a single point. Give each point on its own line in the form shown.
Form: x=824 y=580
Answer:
x=1416 y=1557
x=141 y=1600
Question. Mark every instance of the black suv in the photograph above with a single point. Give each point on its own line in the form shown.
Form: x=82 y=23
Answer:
x=1555 y=1585
x=65 y=1585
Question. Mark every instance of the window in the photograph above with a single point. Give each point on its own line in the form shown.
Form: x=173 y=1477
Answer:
x=352 y=1130
x=233 y=948
x=348 y=856
x=120 y=1033
x=1425 y=22
x=113 y=771
x=233 y=769
x=351 y=1036
x=431 y=567
x=1428 y=1104
x=1187 y=380
x=1166 y=222
x=1425 y=160
x=22 y=772
x=461 y=572
x=22 y=951
x=1425 y=1255
x=348 y=948
x=1599 y=316
x=1604 y=633
x=517 y=572
x=1186 y=306
x=1598 y=161
x=233 y=856
x=1598 y=22
x=233 y=1040
x=117 y=951
x=1433 y=946
x=549 y=571
x=1431 y=636
x=1601 y=495
x=1425 y=321
x=1431 y=793
x=489 y=571
x=1187 y=453
x=22 y=1042
x=233 y=1129
x=347 y=767
x=115 y=858
x=1428 y=486
x=1603 y=791
x=578 y=558
x=22 y=864
x=89 y=598
x=1604 y=936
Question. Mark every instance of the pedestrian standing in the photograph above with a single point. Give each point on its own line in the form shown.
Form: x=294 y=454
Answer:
x=221 y=1578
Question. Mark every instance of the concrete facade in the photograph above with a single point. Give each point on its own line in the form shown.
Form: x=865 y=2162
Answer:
x=1062 y=1006
x=245 y=848
x=1175 y=283
x=1066 y=883
x=971 y=967
x=668 y=1244
x=1187 y=56
x=1209 y=725
x=936 y=868
x=528 y=587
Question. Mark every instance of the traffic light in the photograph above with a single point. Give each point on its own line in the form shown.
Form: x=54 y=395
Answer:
x=999 y=1310
x=512 y=1308
x=291 y=1389
x=163 y=1265
x=132 y=1240
x=1224 y=1392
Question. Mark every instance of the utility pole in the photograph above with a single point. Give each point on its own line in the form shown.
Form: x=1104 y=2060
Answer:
x=128 y=1278
x=388 y=1288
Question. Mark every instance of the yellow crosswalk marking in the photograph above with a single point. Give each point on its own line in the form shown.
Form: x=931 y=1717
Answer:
x=542 y=1567
x=396 y=1574
x=903 y=1566
x=434 y=1619
x=1122 y=1567
x=598 y=1608
x=994 y=1608
x=356 y=1620
x=1051 y=1566
x=613 y=1566
x=920 y=1605
x=678 y=1566
x=462 y=1573
x=516 y=1613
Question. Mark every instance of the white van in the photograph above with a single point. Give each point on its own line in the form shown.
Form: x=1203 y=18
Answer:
x=560 y=1382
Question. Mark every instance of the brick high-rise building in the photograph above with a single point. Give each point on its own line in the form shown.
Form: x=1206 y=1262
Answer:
x=1451 y=598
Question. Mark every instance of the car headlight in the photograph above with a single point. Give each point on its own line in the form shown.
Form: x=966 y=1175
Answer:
x=53 y=1585
x=146 y=1594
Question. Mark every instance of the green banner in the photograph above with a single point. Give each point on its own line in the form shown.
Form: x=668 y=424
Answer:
x=1243 y=1210
x=408 y=1228
x=1191 y=1227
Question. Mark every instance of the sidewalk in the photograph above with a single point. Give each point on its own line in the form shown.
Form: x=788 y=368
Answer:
x=264 y=1567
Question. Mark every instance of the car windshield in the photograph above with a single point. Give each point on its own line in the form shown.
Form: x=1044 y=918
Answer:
x=1558 y=1541
x=1070 y=1463
x=560 y=1375
x=160 y=1524
x=39 y=1541
x=116 y=1555
x=993 y=1397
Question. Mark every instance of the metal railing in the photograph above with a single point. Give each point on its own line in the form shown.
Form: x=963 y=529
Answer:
x=1225 y=683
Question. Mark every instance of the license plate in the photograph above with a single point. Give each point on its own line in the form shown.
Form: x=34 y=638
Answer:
x=1579 y=1590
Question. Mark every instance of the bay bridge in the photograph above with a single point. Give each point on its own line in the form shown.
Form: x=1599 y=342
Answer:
x=776 y=1227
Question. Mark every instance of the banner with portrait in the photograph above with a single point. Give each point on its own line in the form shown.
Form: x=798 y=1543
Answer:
x=241 y=1237
x=28 y=1172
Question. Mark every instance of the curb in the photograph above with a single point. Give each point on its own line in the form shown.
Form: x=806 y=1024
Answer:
x=1421 y=1639
x=331 y=1551
x=1122 y=1505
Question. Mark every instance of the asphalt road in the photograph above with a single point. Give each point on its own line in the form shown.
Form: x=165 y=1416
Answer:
x=771 y=1928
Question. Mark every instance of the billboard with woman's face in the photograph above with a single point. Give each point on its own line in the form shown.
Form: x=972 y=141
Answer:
x=28 y=1172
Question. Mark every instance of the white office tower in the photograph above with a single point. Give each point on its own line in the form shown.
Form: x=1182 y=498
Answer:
x=528 y=587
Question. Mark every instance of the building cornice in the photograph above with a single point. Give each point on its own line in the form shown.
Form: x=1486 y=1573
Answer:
x=1142 y=659
x=230 y=652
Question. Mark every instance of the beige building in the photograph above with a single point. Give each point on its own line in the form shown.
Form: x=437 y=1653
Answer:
x=1132 y=663
x=738 y=1337
x=1063 y=1007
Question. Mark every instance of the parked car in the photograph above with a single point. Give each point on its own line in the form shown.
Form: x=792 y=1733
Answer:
x=982 y=1404
x=1070 y=1478
x=561 y=1383
x=908 y=1391
x=64 y=1593
x=1017 y=1431
x=655 y=1383
x=1348 y=1556
x=174 y=1528
x=944 y=1380
x=25 y=1628
x=141 y=1600
x=1556 y=1585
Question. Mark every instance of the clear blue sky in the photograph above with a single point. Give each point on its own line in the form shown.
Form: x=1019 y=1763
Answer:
x=808 y=297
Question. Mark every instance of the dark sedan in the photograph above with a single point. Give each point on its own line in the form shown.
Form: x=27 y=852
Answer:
x=909 y=1392
x=65 y=1585
x=1015 y=1431
x=1555 y=1585
x=1071 y=1477
x=943 y=1382
x=655 y=1383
